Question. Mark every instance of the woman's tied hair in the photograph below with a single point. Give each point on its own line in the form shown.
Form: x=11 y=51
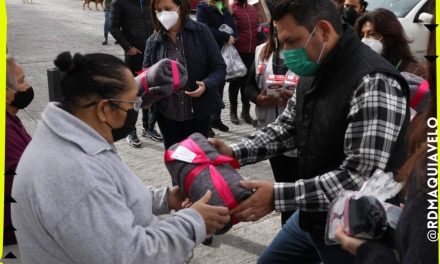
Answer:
x=91 y=74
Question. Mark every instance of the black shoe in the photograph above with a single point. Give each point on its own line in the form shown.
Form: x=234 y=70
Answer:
x=211 y=133
x=105 y=42
x=133 y=140
x=151 y=133
x=208 y=240
x=234 y=118
x=247 y=117
x=218 y=124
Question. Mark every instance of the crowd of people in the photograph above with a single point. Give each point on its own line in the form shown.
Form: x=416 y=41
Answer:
x=353 y=100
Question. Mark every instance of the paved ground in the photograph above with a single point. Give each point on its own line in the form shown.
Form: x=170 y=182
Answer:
x=38 y=32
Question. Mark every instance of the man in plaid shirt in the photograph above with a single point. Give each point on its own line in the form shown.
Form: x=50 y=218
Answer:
x=347 y=119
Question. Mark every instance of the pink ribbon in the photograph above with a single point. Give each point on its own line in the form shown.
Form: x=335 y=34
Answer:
x=174 y=70
x=220 y=185
x=418 y=96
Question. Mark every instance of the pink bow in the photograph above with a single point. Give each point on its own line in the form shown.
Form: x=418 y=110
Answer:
x=220 y=185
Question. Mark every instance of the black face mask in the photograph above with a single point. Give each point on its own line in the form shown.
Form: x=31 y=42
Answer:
x=350 y=15
x=130 y=123
x=23 y=98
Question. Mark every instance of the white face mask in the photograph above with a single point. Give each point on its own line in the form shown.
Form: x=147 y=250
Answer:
x=168 y=18
x=374 y=44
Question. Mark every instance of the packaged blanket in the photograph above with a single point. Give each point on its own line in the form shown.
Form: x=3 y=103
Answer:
x=160 y=81
x=196 y=166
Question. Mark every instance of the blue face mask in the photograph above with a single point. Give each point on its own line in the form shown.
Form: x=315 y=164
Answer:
x=298 y=62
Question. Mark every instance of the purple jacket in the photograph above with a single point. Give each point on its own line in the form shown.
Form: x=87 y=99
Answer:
x=16 y=141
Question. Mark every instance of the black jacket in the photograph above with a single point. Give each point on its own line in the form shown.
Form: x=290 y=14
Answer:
x=411 y=239
x=211 y=17
x=203 y=63
x=130 y=23
x=322 y=107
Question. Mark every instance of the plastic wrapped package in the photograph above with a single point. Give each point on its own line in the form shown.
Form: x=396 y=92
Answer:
x=364 y=213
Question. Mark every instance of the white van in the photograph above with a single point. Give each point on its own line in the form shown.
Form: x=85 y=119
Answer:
x=412 y=14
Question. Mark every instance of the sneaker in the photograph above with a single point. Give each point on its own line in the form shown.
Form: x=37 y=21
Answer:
x=133 y=140
x=218 y=124
x=152 y=133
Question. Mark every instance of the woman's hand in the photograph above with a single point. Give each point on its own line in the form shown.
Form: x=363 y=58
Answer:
x=215 y=217
x=285 y=96
x=176 y=199
x=201 y=88
x=348 y=243
x=133 y=51
x=268 y=101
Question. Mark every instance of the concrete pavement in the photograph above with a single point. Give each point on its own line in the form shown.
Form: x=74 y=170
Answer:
x=37 y=32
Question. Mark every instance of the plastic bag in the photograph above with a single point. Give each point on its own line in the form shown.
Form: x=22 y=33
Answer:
x=234 y=65
x=364 y=213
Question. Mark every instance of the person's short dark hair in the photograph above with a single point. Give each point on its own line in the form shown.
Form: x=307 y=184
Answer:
x=395 y=42
x=183 y=8
x=90 y=74
x=364 y=4
x=307 y=12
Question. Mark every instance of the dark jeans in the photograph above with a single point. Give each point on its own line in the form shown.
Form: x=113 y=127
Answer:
x=106 y=23
x=134 y=63
x=217 y=114
x=284 y=170
x=176 y=131
x=293 y=245
x=239 y=84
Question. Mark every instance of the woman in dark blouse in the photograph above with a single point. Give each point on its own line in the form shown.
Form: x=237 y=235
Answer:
x=19 y=94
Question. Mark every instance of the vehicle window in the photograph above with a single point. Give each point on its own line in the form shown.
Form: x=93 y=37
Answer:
x=428 y=7
x=399 y=7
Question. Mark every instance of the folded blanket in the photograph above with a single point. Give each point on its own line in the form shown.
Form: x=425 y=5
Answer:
x=196 y=166
x=160 y=81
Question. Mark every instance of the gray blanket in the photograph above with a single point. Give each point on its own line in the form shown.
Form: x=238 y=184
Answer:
x=157 y=82
x=179 y=171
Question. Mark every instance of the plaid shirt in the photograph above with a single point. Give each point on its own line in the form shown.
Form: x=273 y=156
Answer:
x=377 y=111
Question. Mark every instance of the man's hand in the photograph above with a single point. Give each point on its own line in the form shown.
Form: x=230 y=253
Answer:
x=221 y=146
x=259 y=204
x=176 y=200
x=215 y=217
x=133 y=51
x=351 y=244
x=231 y=40
x=201 y=88
x=268 y=101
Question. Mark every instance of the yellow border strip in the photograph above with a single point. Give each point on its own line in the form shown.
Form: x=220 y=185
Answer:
x=3 y=40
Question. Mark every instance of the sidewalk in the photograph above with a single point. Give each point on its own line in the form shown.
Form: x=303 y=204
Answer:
x=38 y=32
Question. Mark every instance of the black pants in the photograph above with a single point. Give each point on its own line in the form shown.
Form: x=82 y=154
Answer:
x=284 y=170
x=134 y=63
x=239 y=84
x=175 y=131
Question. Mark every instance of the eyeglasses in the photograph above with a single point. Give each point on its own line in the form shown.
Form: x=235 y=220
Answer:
x=137 y=103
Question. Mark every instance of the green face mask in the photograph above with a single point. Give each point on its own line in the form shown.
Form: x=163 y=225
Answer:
x=298 y=62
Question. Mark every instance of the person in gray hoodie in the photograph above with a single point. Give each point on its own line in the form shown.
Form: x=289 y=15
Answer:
x=77 y=202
